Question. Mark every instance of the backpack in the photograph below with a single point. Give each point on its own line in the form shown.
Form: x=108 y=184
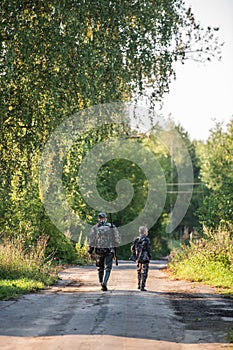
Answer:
x=104 y=239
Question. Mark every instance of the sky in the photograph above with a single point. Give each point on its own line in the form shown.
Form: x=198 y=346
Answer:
x=202 y=94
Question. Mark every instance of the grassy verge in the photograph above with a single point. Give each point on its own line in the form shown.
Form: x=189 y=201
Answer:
x=12 y=288
x=24 y=269
x=230 y=337
x=213 y=273
x=208 y=260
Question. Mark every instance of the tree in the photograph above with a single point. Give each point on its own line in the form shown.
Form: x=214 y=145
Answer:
x=172 y=158
x=216 y=173
x=59 y=57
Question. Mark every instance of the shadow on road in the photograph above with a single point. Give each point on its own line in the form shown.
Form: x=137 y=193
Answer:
x=163 y=314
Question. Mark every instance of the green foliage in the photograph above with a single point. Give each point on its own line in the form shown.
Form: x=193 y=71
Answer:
x=230 y=336
x=158 y=240
x=169 y=159
x=107 y=176
x=123 y=252
x=24 y=269
x=82 y=251
x=13 y=288
x=102 y=45
x=18 y=260
x=59 y=57
x=209 y=260
x=189 y=220
x=159 y=247
x=61 y=248
x=217 y=174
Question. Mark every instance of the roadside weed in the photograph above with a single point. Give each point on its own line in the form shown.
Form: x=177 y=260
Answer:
x=208 y=260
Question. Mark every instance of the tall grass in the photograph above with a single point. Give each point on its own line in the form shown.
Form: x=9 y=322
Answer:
x=209 y=259
x=24 y=268
x=82 y=251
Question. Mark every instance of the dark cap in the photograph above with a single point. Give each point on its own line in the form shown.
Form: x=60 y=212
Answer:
x=102 y=215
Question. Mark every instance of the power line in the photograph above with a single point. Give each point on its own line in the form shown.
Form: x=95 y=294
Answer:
x=184 y=191
x=184 y=183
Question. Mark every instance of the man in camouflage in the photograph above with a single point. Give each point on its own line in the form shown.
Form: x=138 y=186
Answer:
x=104 y=237
x=141 y=254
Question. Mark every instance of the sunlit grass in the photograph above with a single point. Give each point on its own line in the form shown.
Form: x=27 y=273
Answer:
x=213 y=273
x=208 y=260
x=230 y=337
x=82 y=252
x=13 y=288
x=24 y=268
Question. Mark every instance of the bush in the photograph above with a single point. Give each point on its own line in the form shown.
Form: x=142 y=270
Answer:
x=209 y=259
x=82 y=251
x=16 y=261
x=59 y=246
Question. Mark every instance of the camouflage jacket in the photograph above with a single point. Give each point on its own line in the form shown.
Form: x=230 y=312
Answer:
x=141 y=249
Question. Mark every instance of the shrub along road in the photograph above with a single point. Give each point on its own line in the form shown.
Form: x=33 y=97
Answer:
x=76 y=314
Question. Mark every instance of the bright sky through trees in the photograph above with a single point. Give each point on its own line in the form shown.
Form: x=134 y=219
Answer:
x=202 y=93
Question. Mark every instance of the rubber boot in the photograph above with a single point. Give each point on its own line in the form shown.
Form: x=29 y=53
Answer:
x=106 y=277
x=101 y=275
x=143 y=287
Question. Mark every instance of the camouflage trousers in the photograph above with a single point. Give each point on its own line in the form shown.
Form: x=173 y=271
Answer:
x=142 y=270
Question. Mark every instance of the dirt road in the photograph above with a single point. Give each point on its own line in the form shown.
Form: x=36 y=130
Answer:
x=76 y=314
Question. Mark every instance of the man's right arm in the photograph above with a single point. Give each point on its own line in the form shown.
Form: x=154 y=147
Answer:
x=133 y=256
x=90 y=253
